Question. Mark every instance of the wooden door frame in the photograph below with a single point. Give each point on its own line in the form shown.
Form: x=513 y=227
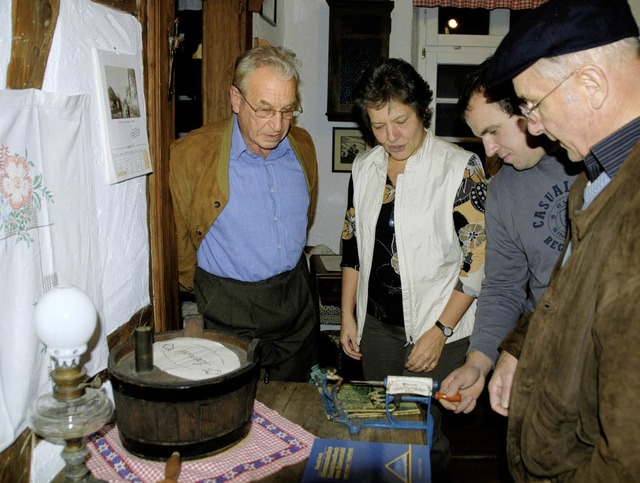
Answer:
x=159 y=25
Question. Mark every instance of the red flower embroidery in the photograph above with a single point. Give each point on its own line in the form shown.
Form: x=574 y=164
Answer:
x=16 y=184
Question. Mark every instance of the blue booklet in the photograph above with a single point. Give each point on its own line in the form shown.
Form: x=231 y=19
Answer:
x=365 y=461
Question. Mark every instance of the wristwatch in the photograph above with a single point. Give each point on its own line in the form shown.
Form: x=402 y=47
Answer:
x=447 y=331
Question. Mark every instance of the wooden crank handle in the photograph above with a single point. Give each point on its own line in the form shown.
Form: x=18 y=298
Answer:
x=454 y=398
x=172 y=469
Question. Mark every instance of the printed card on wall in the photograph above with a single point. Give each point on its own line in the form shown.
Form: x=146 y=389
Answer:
x=124 y=113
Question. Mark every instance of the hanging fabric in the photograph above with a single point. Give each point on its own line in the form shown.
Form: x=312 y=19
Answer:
x=488 y=4
x=48 y=233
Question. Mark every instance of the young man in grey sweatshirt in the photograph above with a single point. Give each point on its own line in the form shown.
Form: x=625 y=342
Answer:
x=526 y=220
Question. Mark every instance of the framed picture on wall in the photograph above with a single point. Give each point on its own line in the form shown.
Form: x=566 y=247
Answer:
x=268 y=11
x=348 y=142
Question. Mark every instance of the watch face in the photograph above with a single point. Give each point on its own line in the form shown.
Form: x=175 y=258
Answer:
x=447 y=331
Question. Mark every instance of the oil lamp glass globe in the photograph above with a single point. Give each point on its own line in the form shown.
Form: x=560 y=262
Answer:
x=64 y=320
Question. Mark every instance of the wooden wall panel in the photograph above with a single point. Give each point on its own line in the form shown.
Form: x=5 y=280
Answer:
x=15 y=461
x=33 y=25
x=224 y=27
x=161 y=116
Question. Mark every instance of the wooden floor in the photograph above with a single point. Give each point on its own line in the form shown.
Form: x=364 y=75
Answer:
x=480 y=470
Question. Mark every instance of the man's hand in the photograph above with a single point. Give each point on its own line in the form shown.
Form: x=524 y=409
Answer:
x=467 y=380
x=501 y=382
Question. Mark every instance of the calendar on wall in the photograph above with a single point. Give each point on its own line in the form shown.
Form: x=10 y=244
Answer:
x=123 y=110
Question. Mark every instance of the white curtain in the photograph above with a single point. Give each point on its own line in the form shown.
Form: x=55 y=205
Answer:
x=48 y=234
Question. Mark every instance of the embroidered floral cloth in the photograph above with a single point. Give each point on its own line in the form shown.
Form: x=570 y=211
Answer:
x=273 y=443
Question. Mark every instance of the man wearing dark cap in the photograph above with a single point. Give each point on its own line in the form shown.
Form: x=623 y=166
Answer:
x=573 y=400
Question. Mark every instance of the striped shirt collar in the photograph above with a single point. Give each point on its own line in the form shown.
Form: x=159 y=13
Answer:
x=609 y=154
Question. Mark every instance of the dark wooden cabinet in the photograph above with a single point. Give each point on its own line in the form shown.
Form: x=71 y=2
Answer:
x=358 y=35
x=326 y=277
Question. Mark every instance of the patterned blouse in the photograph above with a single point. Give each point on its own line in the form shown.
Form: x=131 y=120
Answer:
x=385 y=294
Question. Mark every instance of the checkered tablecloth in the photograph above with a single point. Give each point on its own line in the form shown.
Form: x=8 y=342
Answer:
x=273 y=443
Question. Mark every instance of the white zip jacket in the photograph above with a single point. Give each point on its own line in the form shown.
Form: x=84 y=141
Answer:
x=429 y=252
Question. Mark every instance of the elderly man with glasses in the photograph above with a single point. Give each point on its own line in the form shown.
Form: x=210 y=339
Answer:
x=568 y=375
x=244 y=194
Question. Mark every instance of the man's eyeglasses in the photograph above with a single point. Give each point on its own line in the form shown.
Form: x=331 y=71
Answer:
x=528 y=108
x=264 y=113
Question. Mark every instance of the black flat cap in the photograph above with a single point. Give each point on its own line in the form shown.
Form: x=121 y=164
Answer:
x=560 y=27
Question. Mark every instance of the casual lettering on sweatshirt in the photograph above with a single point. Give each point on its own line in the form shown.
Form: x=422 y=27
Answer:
x=552 y=215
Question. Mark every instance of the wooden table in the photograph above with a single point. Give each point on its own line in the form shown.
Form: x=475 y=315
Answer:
x=300 y=403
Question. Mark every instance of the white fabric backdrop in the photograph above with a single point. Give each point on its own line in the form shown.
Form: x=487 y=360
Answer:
x=121 y=212
x=48 y=233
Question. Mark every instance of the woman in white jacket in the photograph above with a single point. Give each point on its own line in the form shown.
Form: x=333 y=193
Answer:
x=413 y=240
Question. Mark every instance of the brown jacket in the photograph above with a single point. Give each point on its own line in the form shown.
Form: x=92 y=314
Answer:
x=199 y=184
x=574 y=404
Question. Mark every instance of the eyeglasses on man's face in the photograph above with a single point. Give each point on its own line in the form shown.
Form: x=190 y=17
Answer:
x=266 y=113
x=527 y=108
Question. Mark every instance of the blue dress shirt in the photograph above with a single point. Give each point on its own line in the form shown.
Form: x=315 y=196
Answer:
x=263 y=229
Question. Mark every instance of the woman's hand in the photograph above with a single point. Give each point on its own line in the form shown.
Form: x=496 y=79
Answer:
x=348 y=334
x=348 y=325
x=426 y=352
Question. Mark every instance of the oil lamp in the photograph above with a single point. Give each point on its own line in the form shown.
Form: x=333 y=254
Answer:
x=65 y=319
